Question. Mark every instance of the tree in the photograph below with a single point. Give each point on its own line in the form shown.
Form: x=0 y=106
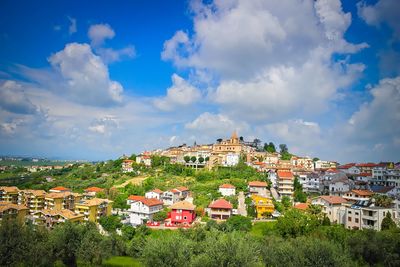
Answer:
x=219 y=140
x=269 y=147
x=256 y=142
x=387 y=222
x=160 y=216
x=315 y=159
x=239 y=223
x=383 y=201
x=133 y=157
x=296 y=223
x=286 y=202
x=299 y=195
x=241 y=139
x=207 y=159
x=110 y=223
x=283 y=148
x=201 y=159
x=186 y=158
x=128 y=232
x=193 y=159
x=93 y=248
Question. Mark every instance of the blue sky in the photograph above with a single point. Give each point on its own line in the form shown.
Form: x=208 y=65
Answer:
x=94 y=81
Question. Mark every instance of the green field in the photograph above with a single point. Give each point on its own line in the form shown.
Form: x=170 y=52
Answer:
x=122 y=261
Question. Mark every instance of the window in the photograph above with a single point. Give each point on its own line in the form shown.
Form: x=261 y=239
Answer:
x=184 y=217
x=349 y=212
x=356 y=220
x=349 y=219
x=356 y=213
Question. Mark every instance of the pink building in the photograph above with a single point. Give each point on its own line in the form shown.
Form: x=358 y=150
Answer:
x=183 y=212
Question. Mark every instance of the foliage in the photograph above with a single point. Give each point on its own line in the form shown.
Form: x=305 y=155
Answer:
x=201 y=159
x=296 y=223
x=299 y=195
x=286 y=202
x=387 y=222
x=160 y=216
x=383 y=201
x=128 y=232
x=186 y=158
x=239 y=223
x=269 y=147
x=193 y=159
x=110 y=223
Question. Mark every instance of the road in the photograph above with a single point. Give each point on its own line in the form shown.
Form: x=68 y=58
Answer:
x=242 y=205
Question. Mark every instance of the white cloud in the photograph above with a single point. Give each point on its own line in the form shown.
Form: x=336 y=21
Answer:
x=85 y=77
x=14 y=99
x=98 y=33
x=384 y=11
x=180 y=94
x=104 y=125
x=110 y=55
x=72 y=27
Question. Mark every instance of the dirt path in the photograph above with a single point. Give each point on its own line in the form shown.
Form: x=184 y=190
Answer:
x=135 y=181
x=242 y=205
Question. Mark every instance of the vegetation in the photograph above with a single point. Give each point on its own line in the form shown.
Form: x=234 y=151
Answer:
x=299 y=195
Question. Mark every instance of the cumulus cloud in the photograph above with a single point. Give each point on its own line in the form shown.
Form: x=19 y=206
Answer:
x=14 y=99
x=98 y=33
x=180 y=94
x=86 y=76
x=104 y=125
x=384 y=11
x=215 y=125
x=110 y=55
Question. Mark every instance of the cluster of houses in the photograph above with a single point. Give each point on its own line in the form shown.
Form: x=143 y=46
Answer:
x=56 y=206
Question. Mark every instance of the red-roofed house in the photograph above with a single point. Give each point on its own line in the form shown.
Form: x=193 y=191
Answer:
x=366 y=167
x=144 y=159
x=356 y=195
x=127 y=165
x=285 y=183
x=59 y=189
x=332 y=207
x=155 y=193
x=220 y=209
x=301 y=206
x=142 y=209
x=227 y=190
x=91 y=192
x=258 y=188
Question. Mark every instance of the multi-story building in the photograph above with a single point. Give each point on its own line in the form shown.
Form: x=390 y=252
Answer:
x=51 y=218
x=310 y=182
x=9 y=194
x=332 y=207
x=59 y=189
x=364 y=215
x=324 y=165
x=62 y=200
x=366 y=167
x=155 y=193
x=357 y=195
x=142 y=209
x=183 y=212
x=220 y=209
x=339 y=186
x=92 y=192
x=227 y=190
x=285 y=183
x=33 y=199
x=13 y=211
x=94 y=208
x=263 y=205
x=126 y=165
x=258 y=188
x=145 y=159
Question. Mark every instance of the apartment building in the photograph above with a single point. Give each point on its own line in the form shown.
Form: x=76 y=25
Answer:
x=61 y=200
x=33 y=199
x=94 y=208
x=263 y=205
x=9 y=194
x=50 y=218
x=258 y=188
x=142 y=209
x=155 y=193
x=331 y=207
x=357 y=195
x=91 y=192
x=285 y=183
x=13 y=211
x=220 y=209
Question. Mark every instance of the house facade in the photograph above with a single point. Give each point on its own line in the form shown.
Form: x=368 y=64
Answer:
x=285 y=183
x=155 y=193
x=227 y=190
x=182 y=212
x=331 y=207
x=220 y=209
x=263 y=205
x=258 y=188
x=94 y=208
x=142 y=209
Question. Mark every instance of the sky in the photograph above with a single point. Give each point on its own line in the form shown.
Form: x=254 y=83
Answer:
x=95 y=80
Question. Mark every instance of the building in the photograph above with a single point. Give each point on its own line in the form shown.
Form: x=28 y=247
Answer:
x=61 y=200
x=94 y=208
x=183 y=212
x=285 y=183
x=366 y=167
x=310 y=182
x=144 y=159
x=155 y=193
x=91 y=192
x=383 y=190
x=33 y=199
x=364 y=215
x=331 y=207
x=10 y=210
x=357 y=195
x=227 y=190
x=263 y=206
x=9 y=194
x=231 y=159
x=324 y=165
x=258 y=188
x=184 y=192
x=339 y=186
x=126 y=165
x=51 y=218
x=220 y=209
x=142 y=209
x=59 y=189
x=170 y=197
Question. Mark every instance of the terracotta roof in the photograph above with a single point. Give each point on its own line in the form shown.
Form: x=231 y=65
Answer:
x=128 y=160
x=334 y=199
x=60 y=188
x=183 y=205
x=332 y=170
x=364 y=174
x=366 y=165
x=9 y=189
x=94 y=189
x=363 y=192
x=146 y=201
x=227 y=186
x=57 y=194
x=220 y=204
x=93 y=202
x=156 y=190
x=37 y=193
x=175 y=191
x=7 y=205
x=67 y=214
x=258 y=184
x=182 y=188
x=301 y=206
x=285 y=174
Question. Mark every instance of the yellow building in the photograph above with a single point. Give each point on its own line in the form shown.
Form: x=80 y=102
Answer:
x=9 y=194
x=50 y=218
x=61 y=200
x=231 y=145
x=262 y=205
x=93 y=208
x=33 y=199
x=14 y=211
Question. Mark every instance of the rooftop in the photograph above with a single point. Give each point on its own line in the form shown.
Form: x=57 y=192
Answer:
x=285 y=174
x=183 y=205
x=94 y=189
x=227 y=186
x=7 y=205
x=220 y=204
x=333 y=199
x=258 y=184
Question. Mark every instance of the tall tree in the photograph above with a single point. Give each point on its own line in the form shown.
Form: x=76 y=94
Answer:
x=283 y=148
x=387 y=222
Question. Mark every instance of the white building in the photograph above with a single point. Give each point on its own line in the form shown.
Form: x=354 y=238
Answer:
x=310 y=182
x=155 y=193
x=144 y=159
x=126 y=165
x=331 y=207
x=339 y=186
x=142 y=209
x=231 y=159
x=227 y=190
